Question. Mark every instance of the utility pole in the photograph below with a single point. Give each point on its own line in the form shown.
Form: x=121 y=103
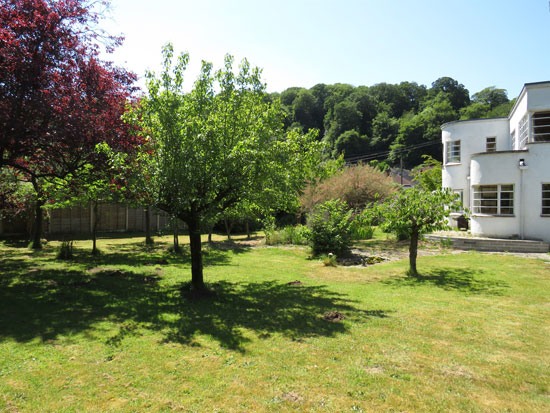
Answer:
x=401 y=166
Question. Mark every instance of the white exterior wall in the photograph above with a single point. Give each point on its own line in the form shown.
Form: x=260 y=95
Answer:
x=537 y=173
x=492 y=169
x=472 y=135
x=517 y=114
x=502 y=167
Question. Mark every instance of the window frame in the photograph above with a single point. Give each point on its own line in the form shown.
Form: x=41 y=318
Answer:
x=523 y=132
x=513 y=140
x=545 y=196
x=491 y=146
x=452 y=153
x=543 y=115
x=500 y=204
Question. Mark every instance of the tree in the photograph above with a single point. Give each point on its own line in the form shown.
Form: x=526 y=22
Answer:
x=428 y=174
x=350 y=143
x=457 y=94
x=415 y=212
x=218 y=145
x=57 y=99
x=491 y=96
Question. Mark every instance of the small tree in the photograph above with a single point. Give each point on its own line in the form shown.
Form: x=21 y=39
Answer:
x=416 y=212
x=217 y=146
x=330 y=228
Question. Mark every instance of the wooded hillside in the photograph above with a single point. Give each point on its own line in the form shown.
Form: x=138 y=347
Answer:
x=387 y=122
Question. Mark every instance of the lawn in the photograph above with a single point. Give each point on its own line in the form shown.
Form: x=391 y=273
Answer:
x=115 y=333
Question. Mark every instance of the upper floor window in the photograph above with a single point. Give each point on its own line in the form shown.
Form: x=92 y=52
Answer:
x=513 y=140
x=523 y=131
x=453 y=152
x=541 y=127
x=545 y=199
x=491 y=144
x=494 y=199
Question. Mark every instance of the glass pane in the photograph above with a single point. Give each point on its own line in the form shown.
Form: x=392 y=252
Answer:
x=507 y=211
x=507 y=187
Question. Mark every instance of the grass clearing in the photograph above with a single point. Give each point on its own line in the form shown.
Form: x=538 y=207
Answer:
x=114 y=332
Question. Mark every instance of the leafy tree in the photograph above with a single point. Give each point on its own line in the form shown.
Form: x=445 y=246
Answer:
x=384 y=131
x=502 y=110
x=491 y=96
x=428 y=174
x=477 y=110
x=390 y=97
x=307 y=111
x=218 y=145
x=57 y=98
x=415 y=212
x=457 y=94
x=414 y=93
x=350 y=143
x=343 y=117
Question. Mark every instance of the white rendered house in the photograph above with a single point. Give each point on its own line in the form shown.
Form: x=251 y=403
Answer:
x=501 y=168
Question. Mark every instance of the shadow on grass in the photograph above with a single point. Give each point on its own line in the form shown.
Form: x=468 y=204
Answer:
x=46 y=304
x=454 y=279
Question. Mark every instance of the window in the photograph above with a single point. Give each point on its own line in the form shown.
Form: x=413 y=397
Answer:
x=513 y=140
x=545 y=199
x=453 y=152
x=491 y=144
x=523 y=131
x=494 y=199
x=541 y=127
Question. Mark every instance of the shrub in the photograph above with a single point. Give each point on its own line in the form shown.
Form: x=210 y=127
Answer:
x=65 y=250
x=295 y=235
x=361 y=226
x=330 y=228
x=357 y=185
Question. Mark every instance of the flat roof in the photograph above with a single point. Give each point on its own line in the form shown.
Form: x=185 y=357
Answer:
x=472 y=120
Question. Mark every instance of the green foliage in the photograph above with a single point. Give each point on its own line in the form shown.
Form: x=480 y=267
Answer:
x=330 y=260
x=294 y=235
x=221 y=146
x=361 y=226
x=65 y=250
x=491 y=96
x=428 y=174
x=414 y=212
x=330 y=228
x=350 y=142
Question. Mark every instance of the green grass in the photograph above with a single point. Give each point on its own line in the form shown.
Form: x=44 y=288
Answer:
x=471 y=334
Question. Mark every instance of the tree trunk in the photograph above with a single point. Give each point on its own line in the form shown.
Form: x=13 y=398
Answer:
x=94 y=228
x=413 y=251
x=197 y=281
x=247 y=229
x=148 y=239
x=210 y=234
x=176 y=235
x=227 y=229
x=36 y=243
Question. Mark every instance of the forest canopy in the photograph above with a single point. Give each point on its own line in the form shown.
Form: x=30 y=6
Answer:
x=387 y=122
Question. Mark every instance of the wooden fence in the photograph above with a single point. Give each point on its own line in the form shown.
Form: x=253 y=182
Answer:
x=78 y=220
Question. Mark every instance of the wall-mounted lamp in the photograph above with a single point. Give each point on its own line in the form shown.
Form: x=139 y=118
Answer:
x=522 y=164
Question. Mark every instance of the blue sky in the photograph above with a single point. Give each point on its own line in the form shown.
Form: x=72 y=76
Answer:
x=503 y=43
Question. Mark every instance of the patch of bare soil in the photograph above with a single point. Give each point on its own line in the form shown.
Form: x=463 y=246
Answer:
x=292 y=397
x=334 y=316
